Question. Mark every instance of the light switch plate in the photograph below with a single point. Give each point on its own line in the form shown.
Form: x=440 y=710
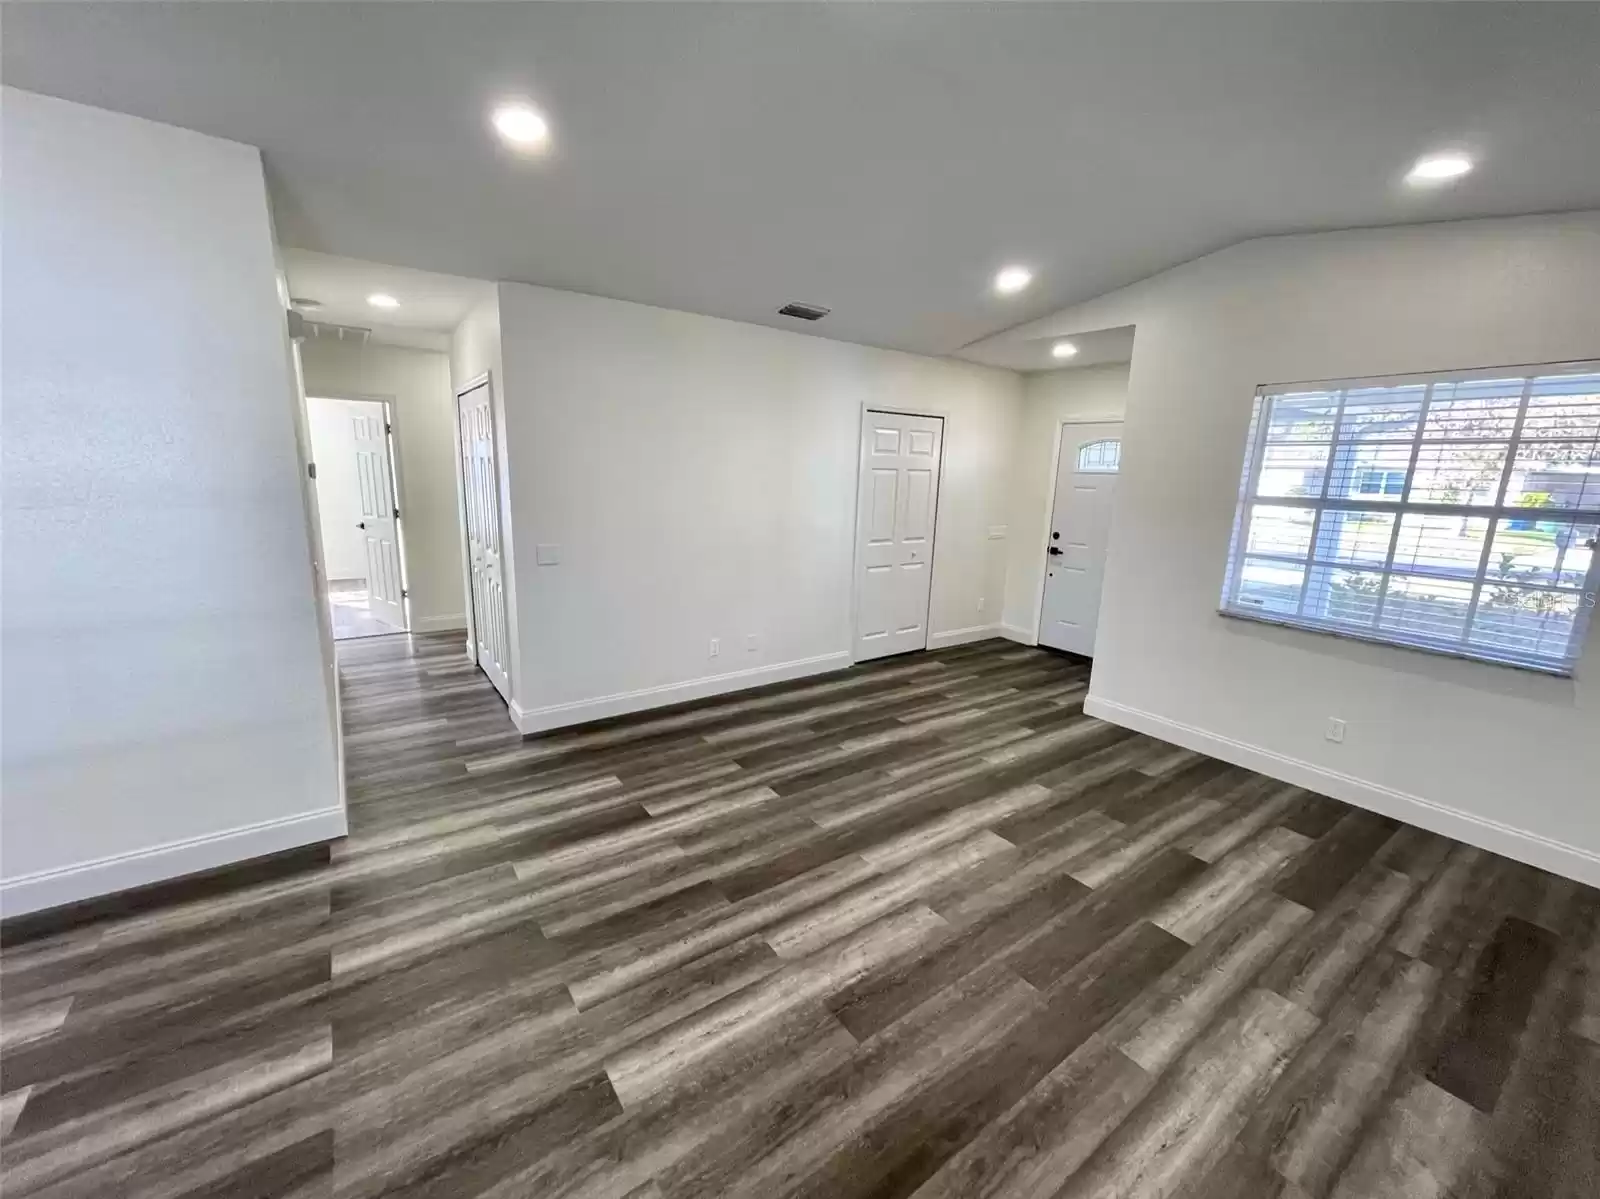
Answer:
x=546 y=555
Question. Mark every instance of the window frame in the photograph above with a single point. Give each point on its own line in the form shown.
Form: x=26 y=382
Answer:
x=1400 y=506
x=1383 y=475
x=1079 y=468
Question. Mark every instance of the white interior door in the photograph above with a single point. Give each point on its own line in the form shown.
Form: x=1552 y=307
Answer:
x=899 y=496
x=380 y=515
x=481 y=503
x=1075 y=556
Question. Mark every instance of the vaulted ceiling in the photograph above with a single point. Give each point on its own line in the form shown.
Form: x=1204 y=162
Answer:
x=881 y=160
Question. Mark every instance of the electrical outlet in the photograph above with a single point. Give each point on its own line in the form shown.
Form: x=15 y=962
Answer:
x=716 y=647
x=1335 y=730
x=752 y=642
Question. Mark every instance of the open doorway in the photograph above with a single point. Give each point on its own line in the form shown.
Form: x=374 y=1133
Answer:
x=363 y=559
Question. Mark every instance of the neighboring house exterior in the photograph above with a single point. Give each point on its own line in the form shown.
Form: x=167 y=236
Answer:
x=1566 y=486
x=1370 y=470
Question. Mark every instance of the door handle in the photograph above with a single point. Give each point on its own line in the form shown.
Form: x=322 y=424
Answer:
x=361 y=524
x=1055 y=551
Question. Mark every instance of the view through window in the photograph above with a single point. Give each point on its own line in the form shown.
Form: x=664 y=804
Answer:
x=1455 y=512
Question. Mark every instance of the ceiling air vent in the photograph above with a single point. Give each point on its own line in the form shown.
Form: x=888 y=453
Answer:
x=805 y=312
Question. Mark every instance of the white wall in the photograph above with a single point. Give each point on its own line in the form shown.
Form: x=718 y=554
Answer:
x=333 y=448
x=1048 y=398
x=1503 y=758
x=475 y=345
x=699 y=478
x=418 y=383
x=165 y=709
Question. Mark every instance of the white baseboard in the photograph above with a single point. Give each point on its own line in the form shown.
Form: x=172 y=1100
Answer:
x=542 y=720
x=106 y=876
x=1531 y=848
x=1019 y=634
x=440 y=624
x=977 y=632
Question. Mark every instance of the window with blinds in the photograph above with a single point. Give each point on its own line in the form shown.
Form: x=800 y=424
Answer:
x=1455 y=512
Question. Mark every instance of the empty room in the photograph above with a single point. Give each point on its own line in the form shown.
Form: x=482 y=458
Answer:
x=675 y=600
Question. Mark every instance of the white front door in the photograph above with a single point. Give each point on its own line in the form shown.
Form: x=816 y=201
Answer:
x=380 y=515
x=481 y=503
x=899 y=495
x=1075 y=554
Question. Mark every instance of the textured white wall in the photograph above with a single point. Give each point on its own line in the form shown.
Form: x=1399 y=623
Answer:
x=165 y=708
x=1500 y=756
x=475 y=345
x=1048 y=398
x=699 y=476
x=418 y=383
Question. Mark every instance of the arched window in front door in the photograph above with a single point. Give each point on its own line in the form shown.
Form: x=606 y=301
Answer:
x=1100 y=457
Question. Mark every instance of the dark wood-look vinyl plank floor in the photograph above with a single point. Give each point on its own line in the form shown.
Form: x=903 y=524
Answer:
x=918 y=928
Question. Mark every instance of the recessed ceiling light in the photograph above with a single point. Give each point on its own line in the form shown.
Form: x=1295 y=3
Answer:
x=1012 y=279
x=379 y=299
x=1063 y=349
x=521 y=125
x=1437 y=168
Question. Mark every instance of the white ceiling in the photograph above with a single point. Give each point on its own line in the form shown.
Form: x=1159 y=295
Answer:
x=1029 y=351
x=431 y=304
x=880 y=159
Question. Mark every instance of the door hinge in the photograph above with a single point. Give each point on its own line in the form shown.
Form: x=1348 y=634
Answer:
x=404 y=594
x=397 y=514
x=387 y=427
x=311 y=470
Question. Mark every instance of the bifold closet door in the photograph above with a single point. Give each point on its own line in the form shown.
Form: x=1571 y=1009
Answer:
x=481 y=499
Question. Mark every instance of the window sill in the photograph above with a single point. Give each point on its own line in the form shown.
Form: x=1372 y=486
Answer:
x=1550 y=670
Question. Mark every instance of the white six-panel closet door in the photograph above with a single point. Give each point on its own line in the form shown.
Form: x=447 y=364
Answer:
x=480 y=478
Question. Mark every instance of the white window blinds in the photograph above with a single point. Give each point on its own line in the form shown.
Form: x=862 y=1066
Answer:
x=1455 y=512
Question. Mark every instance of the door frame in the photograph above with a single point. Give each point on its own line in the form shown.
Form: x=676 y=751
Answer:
x=943 y=415
x=391 y=416
x=1050 y=505
x=456 y=393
